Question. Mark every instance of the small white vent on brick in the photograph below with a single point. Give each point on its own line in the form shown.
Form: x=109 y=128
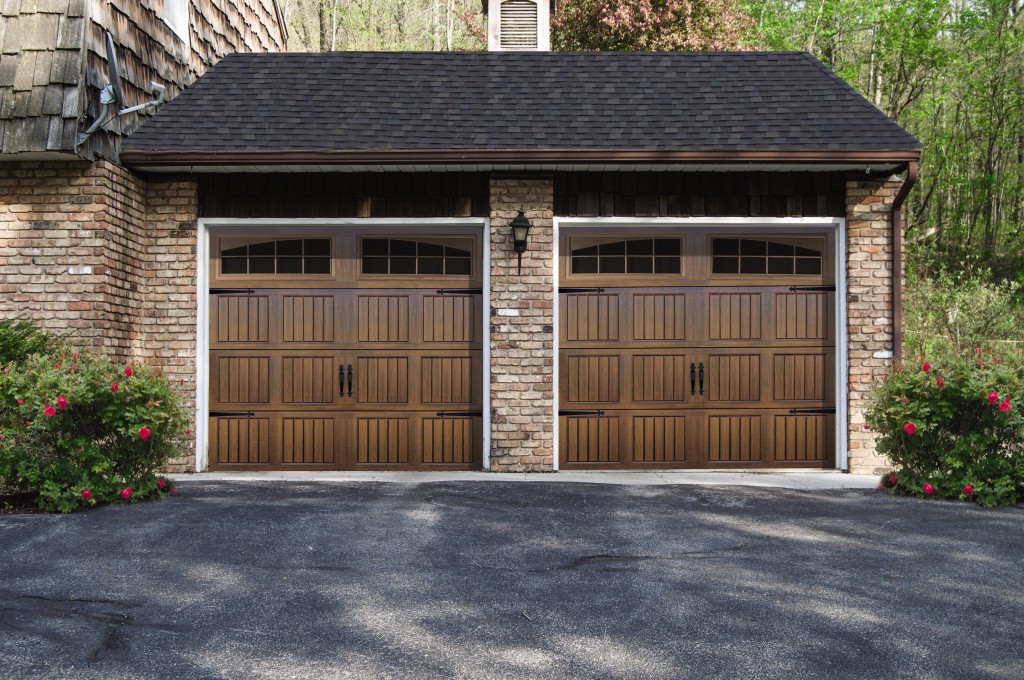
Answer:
x=520 y=25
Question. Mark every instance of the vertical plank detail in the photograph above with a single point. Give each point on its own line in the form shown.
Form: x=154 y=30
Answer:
x=383 y=318
x=592 y=439
x=449 y=318
x=381 y=441
x=734 y=316
x=243 y=380
x=800 y=377
x=308 y=380
x=591 y=317
x=242 y=441
x=660 y=378
x=308 y=441
x=734 y=439
x=659 y=317
x=243 y=319
x=447 y=380
x=593 y=378
x=450 y=440
x=801 y=438
x=801 y=316
x=659 y=439
x=734 y=377
x=382 y=380
x=308 y=318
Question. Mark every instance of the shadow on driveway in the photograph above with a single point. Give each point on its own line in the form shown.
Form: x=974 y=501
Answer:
x=513 y=580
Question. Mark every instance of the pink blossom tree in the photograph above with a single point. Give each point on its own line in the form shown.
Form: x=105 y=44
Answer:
x=651 y=25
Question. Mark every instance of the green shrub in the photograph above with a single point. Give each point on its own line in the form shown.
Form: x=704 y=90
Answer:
x=959 y=312
x=73 y=423
x=951 y=427
x=20 y=338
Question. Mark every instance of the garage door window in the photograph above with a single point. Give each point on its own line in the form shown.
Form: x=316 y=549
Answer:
x=757 y=256
x=400 y=256
x=286 y=256
x=633 y=256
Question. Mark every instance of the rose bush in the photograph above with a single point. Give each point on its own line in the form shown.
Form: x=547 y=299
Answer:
x=72 y=441
x=951 y=426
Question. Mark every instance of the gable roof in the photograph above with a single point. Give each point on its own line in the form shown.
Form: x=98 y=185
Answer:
x=344 y=106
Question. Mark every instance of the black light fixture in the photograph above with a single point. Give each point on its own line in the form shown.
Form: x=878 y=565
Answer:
x=520 y=228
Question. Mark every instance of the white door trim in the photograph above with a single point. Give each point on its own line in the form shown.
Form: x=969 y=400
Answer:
x=842 y=343
x=203 y=302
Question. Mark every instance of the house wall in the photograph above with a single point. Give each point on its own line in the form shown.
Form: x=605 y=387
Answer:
x=53 y=62
x=869 y=307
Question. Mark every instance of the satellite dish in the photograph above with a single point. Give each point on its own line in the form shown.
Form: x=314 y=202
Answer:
x=114 y=73
x=112 y=97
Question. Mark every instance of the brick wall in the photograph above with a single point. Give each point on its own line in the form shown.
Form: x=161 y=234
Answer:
x=522 y=417
x=91 y=250
x=870 y=310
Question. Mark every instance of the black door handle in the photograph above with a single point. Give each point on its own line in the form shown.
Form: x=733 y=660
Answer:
x=693 y=378
x=701 y=368
x=350 y=380
x=341 y=380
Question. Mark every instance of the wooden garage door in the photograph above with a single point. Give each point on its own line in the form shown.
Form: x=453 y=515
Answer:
x=340 y=349
x=696 y=349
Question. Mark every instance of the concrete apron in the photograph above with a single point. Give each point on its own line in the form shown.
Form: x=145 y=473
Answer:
x=817 y=480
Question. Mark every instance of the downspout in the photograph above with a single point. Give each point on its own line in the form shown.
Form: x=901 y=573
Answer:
x=897 y=262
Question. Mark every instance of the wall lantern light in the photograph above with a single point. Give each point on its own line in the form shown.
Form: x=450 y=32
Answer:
x=520 y=229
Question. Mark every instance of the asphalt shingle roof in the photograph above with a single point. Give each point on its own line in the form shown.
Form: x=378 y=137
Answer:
x=359 y=101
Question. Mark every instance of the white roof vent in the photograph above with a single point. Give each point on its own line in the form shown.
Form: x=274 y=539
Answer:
x=521 y=25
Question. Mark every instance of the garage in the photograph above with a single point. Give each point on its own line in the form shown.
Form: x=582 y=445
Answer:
x=343 y=348
x=697 y=348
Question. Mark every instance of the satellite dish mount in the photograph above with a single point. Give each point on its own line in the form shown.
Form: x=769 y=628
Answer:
x=112 y=97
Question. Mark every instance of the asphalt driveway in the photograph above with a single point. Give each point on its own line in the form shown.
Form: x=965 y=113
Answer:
x=513 y=580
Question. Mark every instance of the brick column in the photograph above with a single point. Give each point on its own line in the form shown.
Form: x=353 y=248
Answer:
x=869 y=307
x=521 y=329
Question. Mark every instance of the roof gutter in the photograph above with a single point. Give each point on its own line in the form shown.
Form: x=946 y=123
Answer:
x=457 y=157
x=897 y=261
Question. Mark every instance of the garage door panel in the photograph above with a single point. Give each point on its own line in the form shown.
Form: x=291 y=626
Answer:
x=450 y=318
x=659 y=316
x=382 y=380
x=308 y=318
x=661 y=377
x=383 y=318
x=662 y=439
x=241 y=379
x=802 y=377
x=735 y=439
x=240 y=441
x=382 y=441
x=591 y=439
x=308 y=380
x=591 y=317
x=449 y=379
x=450 y=441
x=803 y=316
x=593 y=378
x=734 y=378
x=309 y=441
x=735 y=316
x=802 y=439
x=240 y=319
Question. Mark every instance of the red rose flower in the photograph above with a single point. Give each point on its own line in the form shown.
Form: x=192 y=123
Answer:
x=977 y=350
x=968 y=489
x=940 y=382
x=20 y=402
x=993 y=397
x=995 y=361
x=161 y=484
x=49 y=411
x=126 y=493
x=128 y=371
x=188 y=431
x=75 y=355
x=1005 y=406
x=926 y=367
x=28 y=423
x=928 y=489
x=57 y=365
x=74 y=367
x=144 y=433
x=62 y=402
x=910 y=429
x=174 y=491
x=892 y=479
x=86 y=494
x=113 y=387
x=866 y=427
